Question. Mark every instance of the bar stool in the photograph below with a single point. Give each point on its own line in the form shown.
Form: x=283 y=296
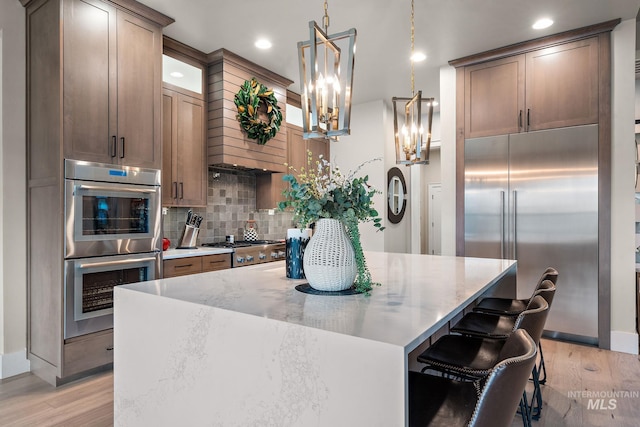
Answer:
x=438 y=401
x=513 y=307
x=471 y=357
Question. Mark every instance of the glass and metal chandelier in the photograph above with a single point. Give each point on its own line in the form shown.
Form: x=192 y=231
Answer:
x=326 y=79
x=412 y=142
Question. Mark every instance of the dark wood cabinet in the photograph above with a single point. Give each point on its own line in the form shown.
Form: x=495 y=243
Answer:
x=94 y=85
x=546 y=88
x=269 y=187
x=195 y=264
x=184 y=170
x=112 y=78
x=562 y=85
x=494 y=97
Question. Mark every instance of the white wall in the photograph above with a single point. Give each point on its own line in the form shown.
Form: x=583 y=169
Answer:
x=13 y=293
x=448 y=158
x=367 y=141
x=623 y=298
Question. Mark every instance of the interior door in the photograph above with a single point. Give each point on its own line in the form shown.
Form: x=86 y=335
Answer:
x=554 y=221
x=485 y=196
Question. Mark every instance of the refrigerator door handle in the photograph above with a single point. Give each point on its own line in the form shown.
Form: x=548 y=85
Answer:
x=515 y=224
x=502 y=224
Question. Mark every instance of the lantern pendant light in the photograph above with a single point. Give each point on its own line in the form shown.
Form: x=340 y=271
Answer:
x=326 y=79
x=412 y=142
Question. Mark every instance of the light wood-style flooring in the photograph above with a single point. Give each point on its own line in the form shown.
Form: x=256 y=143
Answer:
x=25 y=400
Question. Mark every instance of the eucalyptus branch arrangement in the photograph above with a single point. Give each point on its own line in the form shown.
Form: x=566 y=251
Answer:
x=322 y=191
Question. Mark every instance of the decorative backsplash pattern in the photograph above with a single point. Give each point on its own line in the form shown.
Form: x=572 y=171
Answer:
x=231 y=201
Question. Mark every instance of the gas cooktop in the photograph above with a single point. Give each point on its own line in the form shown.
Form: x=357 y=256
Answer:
x=242 y=243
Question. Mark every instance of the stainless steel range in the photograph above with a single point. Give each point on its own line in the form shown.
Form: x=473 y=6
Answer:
x=253 y=252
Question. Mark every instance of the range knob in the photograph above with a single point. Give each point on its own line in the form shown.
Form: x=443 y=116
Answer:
x=262 y=255
x=274 y=255
x=240 y=259
x=281 y=254
x=249 y=258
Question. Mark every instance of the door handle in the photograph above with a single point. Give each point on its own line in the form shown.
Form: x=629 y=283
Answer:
x=112 y=149
x=118 y=262
x=520 y=120
x=116 y=189
x=122 y=147
x=515 y=224
x=528 y=118
x=174 y=190
x=502 y=224
x=181 y=191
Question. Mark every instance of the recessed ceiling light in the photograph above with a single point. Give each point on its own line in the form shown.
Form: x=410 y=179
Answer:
x=263 y=44
x=176 y=74
x=542 y=23
x=418 y=57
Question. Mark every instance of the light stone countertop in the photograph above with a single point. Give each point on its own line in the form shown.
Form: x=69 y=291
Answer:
x=200 y=251
x=419 y=294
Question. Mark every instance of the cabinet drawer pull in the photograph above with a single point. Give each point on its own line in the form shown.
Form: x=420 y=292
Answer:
x=183 y=266
x=112 y=148
x=110 y=348
x=122 y=147
x=216 y=262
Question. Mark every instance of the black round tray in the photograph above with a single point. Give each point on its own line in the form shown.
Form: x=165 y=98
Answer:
x=307 y=289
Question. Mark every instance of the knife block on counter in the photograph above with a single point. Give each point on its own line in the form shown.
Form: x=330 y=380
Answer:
x=188 y=237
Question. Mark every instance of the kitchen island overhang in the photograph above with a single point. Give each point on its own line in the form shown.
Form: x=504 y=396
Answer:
x=243 y=347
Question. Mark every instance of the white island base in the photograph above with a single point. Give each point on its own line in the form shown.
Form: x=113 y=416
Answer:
x=242 y=347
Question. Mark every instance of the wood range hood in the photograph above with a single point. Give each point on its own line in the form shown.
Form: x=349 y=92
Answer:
x=227 y=145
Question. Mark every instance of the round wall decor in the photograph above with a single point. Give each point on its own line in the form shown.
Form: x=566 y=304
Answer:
x=258 y=111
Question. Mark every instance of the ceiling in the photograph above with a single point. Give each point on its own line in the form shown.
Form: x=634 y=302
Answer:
x=444 y=30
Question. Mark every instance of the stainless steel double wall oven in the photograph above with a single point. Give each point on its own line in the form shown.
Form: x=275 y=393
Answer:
x=112 y=237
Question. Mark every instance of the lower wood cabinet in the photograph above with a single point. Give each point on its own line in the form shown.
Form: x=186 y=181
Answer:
x=197 y=264
x=88 y=351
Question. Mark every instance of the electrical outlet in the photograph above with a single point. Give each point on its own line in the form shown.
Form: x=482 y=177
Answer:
x=165 y=211
x=272 y=211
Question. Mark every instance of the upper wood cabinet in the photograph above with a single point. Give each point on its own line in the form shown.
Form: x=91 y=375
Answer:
x=542 y=89
x=112 y=81
x=269 y=187
x=184 y=170
x=562 y=85
x=494 y=97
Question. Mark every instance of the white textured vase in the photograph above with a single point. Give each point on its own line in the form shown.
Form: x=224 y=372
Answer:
x=329 y=260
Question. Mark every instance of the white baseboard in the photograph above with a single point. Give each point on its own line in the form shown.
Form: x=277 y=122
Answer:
x=625 y=342
x=13 y=364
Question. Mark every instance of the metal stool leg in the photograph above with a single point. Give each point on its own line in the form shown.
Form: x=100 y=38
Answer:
x=536 y=398
x=541 y=367
x=524 y=410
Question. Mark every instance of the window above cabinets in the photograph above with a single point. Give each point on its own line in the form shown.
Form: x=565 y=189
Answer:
x=182 y=75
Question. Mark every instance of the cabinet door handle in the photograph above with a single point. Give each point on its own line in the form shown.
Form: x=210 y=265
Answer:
x=528 y=118
x=122 y=147
x=181 y=191
x=112 y=149
x=520 y=120
x=174 y=189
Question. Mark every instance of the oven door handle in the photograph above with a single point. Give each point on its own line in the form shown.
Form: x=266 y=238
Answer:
x=118 y=262
x=124 y=190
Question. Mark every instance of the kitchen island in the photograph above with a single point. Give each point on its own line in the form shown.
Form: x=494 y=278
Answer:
x=243 y=347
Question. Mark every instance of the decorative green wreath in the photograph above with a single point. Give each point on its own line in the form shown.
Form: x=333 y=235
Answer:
x=248 y=100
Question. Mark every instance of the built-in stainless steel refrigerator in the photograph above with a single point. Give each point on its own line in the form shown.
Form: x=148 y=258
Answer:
x=533 y=197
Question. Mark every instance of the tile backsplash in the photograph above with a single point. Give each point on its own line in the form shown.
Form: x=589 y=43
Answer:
x=231 y=201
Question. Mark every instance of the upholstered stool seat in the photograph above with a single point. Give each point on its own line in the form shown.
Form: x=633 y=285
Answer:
x=513 y=307
x=437 y=401
x=472 y=357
